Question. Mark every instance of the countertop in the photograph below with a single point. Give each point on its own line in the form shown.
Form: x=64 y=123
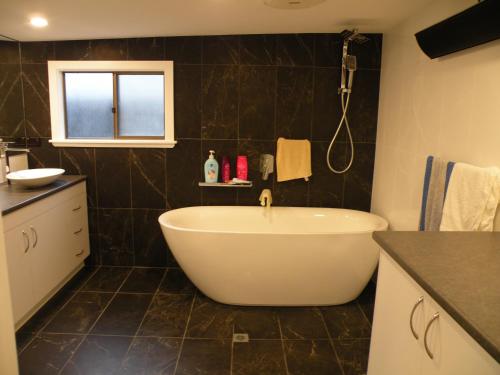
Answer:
x=460 y=271
x=13 y=198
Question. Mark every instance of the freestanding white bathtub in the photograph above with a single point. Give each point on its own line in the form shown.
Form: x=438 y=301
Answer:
x=278 y=256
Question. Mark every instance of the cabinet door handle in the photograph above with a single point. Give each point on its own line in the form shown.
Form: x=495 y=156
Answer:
x=80 y=253
x=27 y=241
x=77 y=208
x=419 y=301
x=35 y=236
x=78 y=231
x=429 y=353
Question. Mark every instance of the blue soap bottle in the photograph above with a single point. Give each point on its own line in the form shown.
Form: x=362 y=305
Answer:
x=211 y=168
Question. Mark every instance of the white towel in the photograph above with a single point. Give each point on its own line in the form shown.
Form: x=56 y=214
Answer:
x=472 y=199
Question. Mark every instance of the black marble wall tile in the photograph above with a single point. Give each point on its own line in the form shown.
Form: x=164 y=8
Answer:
x=253 y=149
x=11 y=99
x=113 y=177
x=184 y=168
x=327 y=105
x=328 y=50
x=72 y=50
x=294 y=103
x=36 y=100
x=115 y=237
x=187 y=101
x=146 y=49
x=82 y=161
x=358 y=180
x=221 y=49
x=258 y=49
x=148 y=169
x=183 y=49
x=257 y=102
x=363 y=108
x=108 y=49
x=149 y=245
x=9 y=53
x=369 y=54
x=326 y=188
x=295 y=49
x=45 y=156
x=37 y=52
x=291 y=193
x=220 y=94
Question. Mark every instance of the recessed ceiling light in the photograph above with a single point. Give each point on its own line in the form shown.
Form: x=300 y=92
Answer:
x=292 y=4
x=38 y=22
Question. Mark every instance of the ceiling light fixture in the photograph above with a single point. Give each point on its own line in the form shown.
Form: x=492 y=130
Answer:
x=38 y=22
x=292 y=4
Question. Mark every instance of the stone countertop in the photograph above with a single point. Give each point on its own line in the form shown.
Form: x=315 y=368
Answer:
x=460 y=271
x=13 y=198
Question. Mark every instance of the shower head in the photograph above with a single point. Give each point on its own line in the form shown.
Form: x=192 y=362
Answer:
x=353 y=36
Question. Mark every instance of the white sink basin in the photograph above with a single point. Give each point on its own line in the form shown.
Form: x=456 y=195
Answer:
x=31 y=178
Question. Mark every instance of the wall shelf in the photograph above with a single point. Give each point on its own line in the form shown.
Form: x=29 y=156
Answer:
x=224 y=185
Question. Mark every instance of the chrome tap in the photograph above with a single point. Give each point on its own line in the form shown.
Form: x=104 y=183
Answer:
x=266 y=198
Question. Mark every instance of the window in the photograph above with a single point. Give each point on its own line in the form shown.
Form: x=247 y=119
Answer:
x=111 y=103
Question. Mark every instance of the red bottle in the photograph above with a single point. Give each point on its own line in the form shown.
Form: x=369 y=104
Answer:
x=242 y=167
x=226 y=169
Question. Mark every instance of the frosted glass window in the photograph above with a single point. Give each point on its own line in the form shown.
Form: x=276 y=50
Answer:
x=141 y=105
x=89 y=105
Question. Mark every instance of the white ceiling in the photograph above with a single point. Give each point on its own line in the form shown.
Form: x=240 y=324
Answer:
x=89 y=19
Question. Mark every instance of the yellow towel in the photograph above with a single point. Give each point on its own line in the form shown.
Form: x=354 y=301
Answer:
x=293 y=159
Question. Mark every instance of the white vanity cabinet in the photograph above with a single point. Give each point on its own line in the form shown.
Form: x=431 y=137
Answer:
x=46 y=243
x=413 y=335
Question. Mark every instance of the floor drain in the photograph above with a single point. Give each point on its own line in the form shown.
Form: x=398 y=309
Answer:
x=240 y=337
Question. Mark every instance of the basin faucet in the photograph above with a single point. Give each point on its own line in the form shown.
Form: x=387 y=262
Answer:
x=266 y=198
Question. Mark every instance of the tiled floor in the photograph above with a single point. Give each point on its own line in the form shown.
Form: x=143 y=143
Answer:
x=114 y=320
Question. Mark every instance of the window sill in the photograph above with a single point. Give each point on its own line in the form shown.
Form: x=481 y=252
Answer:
x=135 y=143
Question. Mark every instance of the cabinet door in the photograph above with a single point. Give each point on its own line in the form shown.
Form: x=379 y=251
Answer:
x=393 y=349
x=19 y=266
x=454 y=351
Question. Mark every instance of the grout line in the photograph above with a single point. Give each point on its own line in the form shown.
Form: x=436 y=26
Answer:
x=330 y=339
x=282 y=343
x=94 y=324
x=40 y=331
x=184 y=335
x=363 y=313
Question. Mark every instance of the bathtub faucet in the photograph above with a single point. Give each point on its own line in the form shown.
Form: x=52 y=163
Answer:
x=266 y=198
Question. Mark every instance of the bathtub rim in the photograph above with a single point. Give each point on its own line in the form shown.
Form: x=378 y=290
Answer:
x=383 y=227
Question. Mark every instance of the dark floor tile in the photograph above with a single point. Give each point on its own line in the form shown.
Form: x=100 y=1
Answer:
x=98 y=355
x=79 y=280
x=307 y=357
x=47 y=354
x=258 y=358
x=353 y=355
x=210 y=319
x=302 y=323
x=80 y=313
x=205 y=357
x=176 y=281
x=366 y=300
x=167 y=316
x=107 y=279
x=123 y=315
x=346 y=321
x=23 y=338
x=143 y=280
x=151 y=356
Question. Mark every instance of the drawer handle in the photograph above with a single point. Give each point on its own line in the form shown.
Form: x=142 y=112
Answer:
x=27 y=241
x=35 y=236
x=78 y=231
x=419 y=301
x=429 y=353
x=79 y=254
x=77 y=208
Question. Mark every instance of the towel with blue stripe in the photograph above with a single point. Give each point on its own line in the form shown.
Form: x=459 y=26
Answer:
x=436 y=181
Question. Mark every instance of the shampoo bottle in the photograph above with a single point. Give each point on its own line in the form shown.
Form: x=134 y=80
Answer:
x=211 y=168
x=226 y=169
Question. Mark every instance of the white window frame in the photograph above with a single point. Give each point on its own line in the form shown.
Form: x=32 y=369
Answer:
x=57 y=107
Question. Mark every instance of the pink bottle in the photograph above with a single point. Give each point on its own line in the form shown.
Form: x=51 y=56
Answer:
x=242 y=167
x=226 y=169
